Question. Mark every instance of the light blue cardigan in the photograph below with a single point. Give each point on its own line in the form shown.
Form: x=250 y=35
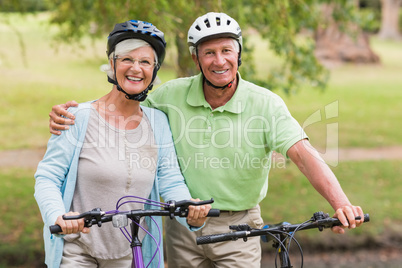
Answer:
x=57 y=173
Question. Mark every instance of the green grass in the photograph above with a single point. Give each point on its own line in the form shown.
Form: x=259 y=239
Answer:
x=367 y=97
x=371 y=184
x=20 y=222
x=374 y=185
x=50 y=77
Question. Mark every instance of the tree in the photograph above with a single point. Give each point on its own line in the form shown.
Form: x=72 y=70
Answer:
x=390 y=19
x=173 y=17
x=279 y=21
x=342 y=43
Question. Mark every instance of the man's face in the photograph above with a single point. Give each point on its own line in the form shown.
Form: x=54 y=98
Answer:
x=218 y=60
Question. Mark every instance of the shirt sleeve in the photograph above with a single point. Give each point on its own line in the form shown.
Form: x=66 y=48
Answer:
x=284 y=131
x=51 y=175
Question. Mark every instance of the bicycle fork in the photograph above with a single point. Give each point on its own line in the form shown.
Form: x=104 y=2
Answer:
x=281 y=244
x=138 y=261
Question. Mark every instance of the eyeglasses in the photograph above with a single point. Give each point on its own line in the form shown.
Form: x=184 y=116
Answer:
x=128 y=61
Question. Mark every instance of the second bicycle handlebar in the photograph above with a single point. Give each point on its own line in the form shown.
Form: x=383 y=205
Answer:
x=320 y=222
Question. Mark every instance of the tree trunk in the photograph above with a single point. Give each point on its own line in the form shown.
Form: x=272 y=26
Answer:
x=334 y=46
x=184 y=61
x=390 y=19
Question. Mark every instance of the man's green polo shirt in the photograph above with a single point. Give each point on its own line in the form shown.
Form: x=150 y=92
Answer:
x=226 y=153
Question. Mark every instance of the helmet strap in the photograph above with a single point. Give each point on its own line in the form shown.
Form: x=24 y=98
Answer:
x=228 y=85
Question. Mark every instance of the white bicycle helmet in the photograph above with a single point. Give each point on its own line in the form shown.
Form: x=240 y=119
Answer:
x=213 y=25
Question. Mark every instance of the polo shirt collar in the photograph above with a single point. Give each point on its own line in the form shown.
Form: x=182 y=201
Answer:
x=236 y=104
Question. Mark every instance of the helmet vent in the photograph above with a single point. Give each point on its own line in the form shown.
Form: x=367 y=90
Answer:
x=212 y=25
x=141 y=30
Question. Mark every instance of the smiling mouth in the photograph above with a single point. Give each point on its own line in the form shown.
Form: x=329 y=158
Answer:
x=220 y=72
x=134 y=79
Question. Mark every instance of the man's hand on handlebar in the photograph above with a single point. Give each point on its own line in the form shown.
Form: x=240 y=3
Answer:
x=346 y=216
x=57 y=122
x=71 y=226
x=197 y=215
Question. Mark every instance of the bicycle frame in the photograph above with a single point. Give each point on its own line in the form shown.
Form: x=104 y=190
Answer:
x=136 y=244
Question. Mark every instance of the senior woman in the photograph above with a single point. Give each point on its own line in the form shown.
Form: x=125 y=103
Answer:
x=116 y=148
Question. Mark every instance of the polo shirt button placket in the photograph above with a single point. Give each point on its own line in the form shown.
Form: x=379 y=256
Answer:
x=208 y=133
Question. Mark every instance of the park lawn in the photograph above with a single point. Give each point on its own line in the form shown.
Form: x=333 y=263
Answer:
x=371 y=184
x=20 y=222
x=363 y=100
x=290 y=198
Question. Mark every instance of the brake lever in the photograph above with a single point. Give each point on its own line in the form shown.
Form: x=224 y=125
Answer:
x=94 y=216
x=171 y=208
x=325 y=221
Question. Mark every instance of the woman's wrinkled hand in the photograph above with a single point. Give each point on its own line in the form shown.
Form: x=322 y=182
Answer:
x=71 y=226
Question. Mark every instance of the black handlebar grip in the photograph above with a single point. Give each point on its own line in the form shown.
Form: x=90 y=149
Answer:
x=221 y=237
x=212 y=239
x=366 y=217
x=55 y=229
x=214 y=212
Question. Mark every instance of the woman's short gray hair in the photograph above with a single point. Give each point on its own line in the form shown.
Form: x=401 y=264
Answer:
x=123 y=48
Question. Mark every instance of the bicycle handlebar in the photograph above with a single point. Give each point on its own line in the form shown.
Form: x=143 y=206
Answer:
x=172 y=209
x=319 y=220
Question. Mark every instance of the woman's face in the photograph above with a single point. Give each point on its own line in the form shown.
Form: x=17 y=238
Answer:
x=134 y=70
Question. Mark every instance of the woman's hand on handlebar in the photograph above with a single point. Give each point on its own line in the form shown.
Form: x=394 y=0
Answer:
x=57 y=122
x=346 y=216
x=71 y=226
x=197 y=215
